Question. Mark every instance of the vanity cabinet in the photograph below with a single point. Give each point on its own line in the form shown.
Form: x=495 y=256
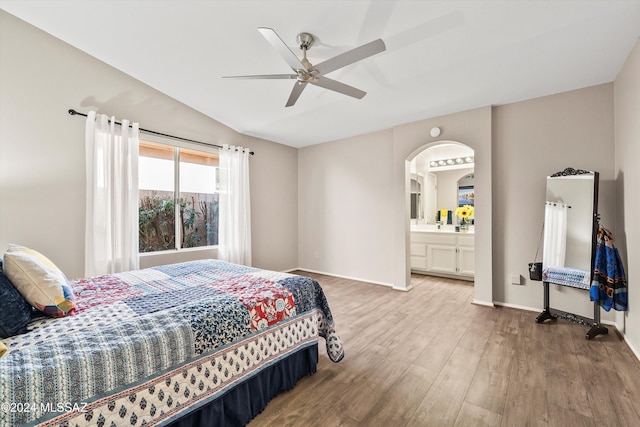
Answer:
x=466 y=255
x=443 y=253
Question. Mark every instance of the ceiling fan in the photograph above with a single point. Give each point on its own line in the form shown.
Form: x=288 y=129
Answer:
x=305 y=72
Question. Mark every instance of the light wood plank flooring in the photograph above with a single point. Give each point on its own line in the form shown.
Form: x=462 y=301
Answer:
x=429 y=357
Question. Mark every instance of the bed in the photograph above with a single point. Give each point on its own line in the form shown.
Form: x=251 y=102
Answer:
x=197 y=343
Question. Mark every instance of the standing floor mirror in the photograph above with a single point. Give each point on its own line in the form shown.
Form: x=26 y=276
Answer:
x=569 y=245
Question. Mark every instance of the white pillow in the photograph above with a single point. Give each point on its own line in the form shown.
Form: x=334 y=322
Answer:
x=39 y=281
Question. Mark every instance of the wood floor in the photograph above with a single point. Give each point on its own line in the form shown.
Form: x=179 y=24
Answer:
x=429 y=357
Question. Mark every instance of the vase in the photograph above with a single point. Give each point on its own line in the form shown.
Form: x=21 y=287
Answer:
x=464 y=226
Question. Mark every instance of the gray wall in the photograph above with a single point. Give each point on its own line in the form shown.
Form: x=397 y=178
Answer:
x=345 y=193
x=531 y=140
x=627 y=181
x=353 y=197
x=42 y=171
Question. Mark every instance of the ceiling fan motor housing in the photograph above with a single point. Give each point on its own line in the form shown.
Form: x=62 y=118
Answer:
x=305 y=41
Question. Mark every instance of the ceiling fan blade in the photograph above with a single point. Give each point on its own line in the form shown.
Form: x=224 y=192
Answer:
x=280 y=46
x=264 y=76
x=351 y=56
x=338 y=87
x=295 y=93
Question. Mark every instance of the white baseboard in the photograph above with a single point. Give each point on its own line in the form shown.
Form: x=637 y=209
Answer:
x=631 y=346
x=519 y=307
x=484 y=303
x=357 y=279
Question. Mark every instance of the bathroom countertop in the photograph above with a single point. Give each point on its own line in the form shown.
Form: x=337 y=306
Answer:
x=433 y=229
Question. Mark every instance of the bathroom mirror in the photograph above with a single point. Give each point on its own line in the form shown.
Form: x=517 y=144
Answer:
x=577 y=192
x=466 y=190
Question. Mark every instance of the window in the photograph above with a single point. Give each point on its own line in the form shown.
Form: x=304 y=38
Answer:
x=171 y=176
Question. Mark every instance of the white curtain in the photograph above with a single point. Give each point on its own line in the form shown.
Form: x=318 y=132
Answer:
x=555 y=235
x=111 y=232
x=234 y=240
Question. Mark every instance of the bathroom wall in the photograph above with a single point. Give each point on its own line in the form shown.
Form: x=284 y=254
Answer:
x=448 y=189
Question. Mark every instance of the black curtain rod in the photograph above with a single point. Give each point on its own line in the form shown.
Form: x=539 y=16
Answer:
x=76 y=113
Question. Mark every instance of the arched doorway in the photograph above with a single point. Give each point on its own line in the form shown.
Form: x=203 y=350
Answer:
x=441 y=181
x=472 y=128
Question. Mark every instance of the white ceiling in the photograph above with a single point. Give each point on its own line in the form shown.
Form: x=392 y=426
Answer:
x=442 y=56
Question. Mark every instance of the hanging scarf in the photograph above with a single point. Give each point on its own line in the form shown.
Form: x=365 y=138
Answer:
x=609 y=284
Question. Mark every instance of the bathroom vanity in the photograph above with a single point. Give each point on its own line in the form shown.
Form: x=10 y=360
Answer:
x=442 y=251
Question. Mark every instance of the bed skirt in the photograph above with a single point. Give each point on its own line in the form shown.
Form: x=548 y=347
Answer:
x=247 y=399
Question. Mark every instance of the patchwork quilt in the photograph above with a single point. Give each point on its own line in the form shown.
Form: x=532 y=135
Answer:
x=145 y=344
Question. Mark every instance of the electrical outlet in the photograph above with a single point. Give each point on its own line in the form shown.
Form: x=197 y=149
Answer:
x=515 y=279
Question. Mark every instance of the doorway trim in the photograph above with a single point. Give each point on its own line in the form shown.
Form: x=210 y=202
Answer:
x=483 y=284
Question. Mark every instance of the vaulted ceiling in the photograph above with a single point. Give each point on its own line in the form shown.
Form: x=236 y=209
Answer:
x=441 y=56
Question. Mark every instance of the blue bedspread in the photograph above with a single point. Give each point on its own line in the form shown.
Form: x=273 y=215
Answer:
x=131 y=326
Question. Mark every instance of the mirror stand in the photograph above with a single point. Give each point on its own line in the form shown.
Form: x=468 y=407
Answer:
x=573 y=196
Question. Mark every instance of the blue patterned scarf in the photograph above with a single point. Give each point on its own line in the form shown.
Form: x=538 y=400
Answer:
x=609 y=284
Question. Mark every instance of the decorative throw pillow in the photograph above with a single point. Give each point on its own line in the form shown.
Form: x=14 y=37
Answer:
x=38 y=279
x=15 y=311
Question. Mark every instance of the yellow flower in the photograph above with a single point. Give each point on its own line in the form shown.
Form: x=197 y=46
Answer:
x=465 y=211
